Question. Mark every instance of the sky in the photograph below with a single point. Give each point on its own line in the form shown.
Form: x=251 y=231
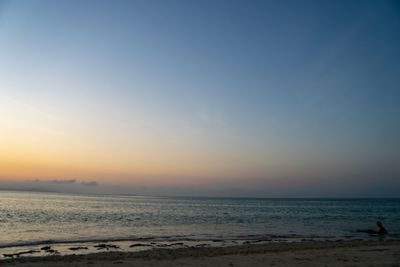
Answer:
x=224 y=98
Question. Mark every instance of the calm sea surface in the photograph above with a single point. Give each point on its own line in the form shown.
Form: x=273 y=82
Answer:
x=34 y=218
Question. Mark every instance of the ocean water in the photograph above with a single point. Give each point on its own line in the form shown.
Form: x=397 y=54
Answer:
x=28 y=218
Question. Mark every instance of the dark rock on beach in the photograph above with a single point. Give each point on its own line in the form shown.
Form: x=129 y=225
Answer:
x=106 y=246
x=77 y=248
x=20 y=253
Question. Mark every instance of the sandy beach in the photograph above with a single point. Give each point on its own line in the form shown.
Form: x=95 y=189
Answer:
x=332 y=253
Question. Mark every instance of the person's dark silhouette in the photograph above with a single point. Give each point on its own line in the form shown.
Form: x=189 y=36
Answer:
x=381 y=231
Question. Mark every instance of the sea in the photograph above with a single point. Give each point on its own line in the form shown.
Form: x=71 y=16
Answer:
x=30 y=221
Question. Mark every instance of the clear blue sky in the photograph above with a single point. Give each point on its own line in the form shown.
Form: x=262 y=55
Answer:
x=299 y=97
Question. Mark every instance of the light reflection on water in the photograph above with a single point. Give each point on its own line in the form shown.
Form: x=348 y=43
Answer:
x=36 y=217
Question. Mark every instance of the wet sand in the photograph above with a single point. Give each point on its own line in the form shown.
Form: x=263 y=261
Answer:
x=326 y=253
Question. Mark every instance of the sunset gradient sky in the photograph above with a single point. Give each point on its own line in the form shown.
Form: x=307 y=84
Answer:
x=298 y=97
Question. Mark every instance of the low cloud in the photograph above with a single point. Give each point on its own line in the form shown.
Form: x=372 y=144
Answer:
x=58 y=185
x=70 y=181
x=91 y=183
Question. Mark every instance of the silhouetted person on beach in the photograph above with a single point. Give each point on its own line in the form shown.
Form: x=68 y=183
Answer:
x=381 y=231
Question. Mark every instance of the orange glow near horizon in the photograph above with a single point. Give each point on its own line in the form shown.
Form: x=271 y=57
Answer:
x=37 y=144
x=44 y=148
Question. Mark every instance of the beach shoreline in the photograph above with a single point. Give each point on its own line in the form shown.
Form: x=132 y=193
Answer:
x=308 y=253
